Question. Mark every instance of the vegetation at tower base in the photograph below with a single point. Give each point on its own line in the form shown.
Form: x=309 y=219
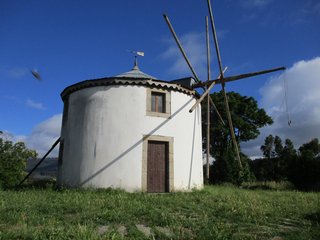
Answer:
x=247 y=118
x=13 y=158
x=216 y=212
x=284 y=163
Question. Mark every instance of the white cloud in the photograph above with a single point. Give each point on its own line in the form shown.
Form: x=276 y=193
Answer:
x=32 y=104
x=42 y=136
x=195 y=47
x=303 y=80
x=11 y=137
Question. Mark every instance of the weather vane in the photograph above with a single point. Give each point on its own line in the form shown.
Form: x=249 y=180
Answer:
x=136 y=55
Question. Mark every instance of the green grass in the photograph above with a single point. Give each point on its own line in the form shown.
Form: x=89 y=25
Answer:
x=218 y=212
x=268 y=185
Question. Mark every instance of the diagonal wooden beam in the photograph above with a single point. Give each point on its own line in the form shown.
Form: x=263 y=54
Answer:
x=235 y=144
x=180 y=47
x=208 y=103
x=237 y=77
x=216 y=110
x=215 y=37
x=202 y=97
x=188 y=62
x=205 y=93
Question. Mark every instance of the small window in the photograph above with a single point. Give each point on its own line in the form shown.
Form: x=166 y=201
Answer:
x=158 y=102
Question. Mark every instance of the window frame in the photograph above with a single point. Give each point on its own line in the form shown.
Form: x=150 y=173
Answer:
x=158 y=97
x=166 y=103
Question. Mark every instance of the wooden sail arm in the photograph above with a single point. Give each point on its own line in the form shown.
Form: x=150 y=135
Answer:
x=206 y=93
x=236 y=77
x=188 y=62
x=201 y=98
x=181 y=48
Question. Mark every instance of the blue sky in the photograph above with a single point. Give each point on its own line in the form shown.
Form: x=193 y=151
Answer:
x=71 y=41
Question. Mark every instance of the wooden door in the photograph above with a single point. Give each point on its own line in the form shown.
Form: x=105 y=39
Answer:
x=157 y=167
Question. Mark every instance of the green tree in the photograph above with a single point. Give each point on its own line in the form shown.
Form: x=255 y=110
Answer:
x=304 y=170
x=277 y=157
x=278 y=147
x=289 y=150
x=13 y=158
x=247 y=118
x=313 y=146
x=268 y=147
x=289 y=157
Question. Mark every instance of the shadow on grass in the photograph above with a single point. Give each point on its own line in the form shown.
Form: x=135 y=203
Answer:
x=314 y=217
x=38 y=184
x=268 y=185
x=257 y=187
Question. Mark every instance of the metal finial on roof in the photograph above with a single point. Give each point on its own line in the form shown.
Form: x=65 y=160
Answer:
x=136 y=54
x=135 y=67
x=135 y=72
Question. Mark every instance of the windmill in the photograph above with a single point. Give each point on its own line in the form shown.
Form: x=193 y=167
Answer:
x=208 y=85
x=136 y=79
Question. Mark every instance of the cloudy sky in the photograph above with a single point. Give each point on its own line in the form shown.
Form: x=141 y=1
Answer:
x=71 y=41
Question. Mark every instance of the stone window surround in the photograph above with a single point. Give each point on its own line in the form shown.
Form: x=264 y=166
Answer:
x=167 y=106
x=144 y=176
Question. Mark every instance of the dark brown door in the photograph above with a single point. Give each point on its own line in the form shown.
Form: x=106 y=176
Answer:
x=158 y=167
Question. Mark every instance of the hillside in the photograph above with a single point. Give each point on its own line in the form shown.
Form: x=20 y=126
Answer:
x=46 y=170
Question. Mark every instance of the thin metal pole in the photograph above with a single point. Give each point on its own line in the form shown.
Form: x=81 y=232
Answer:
x=44 y=157
x=235 y=144
x=208 y=104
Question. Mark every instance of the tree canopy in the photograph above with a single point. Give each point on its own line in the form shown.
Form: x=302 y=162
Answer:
x=247 y=118
x=313 y=147
x=283 y=162
x=13 y=157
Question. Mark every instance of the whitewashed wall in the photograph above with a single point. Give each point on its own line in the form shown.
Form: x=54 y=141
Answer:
x=103 y=138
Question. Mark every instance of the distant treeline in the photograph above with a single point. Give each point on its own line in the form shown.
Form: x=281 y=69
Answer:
x=281 y=162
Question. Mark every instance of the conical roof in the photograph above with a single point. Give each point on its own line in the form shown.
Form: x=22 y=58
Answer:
x=135 y=73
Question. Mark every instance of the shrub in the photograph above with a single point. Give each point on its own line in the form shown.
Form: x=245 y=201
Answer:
x=13 y=158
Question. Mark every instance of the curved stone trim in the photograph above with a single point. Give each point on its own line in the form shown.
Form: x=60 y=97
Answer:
x=125 y=81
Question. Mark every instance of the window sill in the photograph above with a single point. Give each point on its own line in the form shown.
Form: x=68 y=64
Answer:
x=158 y=114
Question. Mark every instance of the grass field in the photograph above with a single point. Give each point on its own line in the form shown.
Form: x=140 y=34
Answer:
x=217 y=212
